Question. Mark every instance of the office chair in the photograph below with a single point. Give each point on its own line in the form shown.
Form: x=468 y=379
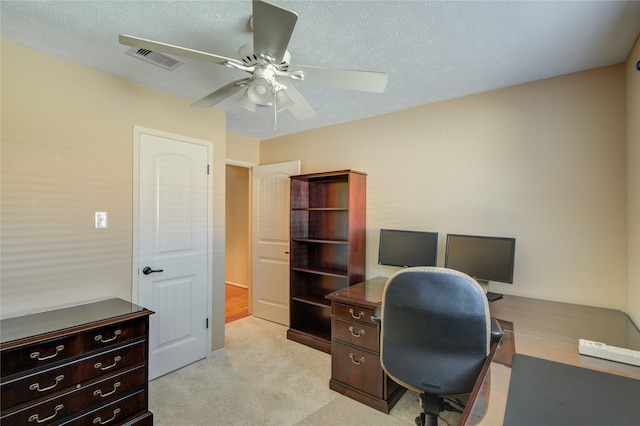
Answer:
x=435 y=334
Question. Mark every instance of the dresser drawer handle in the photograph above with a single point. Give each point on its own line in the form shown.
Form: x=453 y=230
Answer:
x=116 y=333
x=99 y=364
x=36 y=417
x=356 y=362
x=104 y=395
x=36 y=386
x=353 y=314
x=361 y=333
x=59 y=349
x=99 y=419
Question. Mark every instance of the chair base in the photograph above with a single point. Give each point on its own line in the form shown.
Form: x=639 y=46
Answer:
x=432 y=406
x=423 y=420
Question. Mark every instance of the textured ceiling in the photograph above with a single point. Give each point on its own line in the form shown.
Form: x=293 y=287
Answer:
x=431 y=50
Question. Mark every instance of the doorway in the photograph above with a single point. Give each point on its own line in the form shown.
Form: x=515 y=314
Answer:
x=238 y=242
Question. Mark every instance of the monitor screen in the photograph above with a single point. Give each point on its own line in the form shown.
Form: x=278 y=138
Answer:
x=484 y=258
x=407 y=248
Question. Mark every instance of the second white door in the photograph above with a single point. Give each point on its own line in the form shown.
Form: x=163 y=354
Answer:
x=270 y=264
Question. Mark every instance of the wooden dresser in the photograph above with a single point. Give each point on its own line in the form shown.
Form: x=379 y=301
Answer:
x=355 y=347
x=81 y=365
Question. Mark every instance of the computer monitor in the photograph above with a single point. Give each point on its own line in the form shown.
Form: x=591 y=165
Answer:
x=484 y=258
x=407 y=248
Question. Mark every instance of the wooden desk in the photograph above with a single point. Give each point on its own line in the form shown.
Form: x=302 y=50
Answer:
x=355 y=347
x=543 y=329
x=547 y=330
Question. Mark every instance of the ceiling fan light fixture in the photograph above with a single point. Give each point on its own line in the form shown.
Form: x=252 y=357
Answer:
x=245 y=102
x=283 y=101
x=260 y=91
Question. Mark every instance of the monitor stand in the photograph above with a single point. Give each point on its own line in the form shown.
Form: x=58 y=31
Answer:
x=491 y=296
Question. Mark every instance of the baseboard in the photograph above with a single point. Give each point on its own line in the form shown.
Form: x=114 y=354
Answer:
x=217 y=352
x=237 y=285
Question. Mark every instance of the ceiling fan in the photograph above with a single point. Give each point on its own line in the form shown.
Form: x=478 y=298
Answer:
x=267 y=60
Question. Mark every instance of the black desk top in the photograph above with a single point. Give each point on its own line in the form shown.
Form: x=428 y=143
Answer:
x=543 y=392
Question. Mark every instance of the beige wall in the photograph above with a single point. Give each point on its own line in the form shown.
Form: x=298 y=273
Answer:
x=67 y=151
x=238 y=236
x=543 y=162
x=242 y=150
x=633 y=182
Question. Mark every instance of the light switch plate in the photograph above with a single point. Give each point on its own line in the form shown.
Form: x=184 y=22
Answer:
x=101 y=220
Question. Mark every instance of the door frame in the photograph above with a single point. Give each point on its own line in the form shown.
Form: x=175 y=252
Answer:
x=249 y=166
x=135 y=261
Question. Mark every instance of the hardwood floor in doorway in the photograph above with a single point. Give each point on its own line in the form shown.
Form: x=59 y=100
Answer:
x=236 y=303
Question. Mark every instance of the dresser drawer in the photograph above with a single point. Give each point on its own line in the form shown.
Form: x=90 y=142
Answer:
x=56 y=351
x=358 y=334
x=77 y=400
x=69 y=375
x=353 y=313
x=357 y=368
x=114 y=413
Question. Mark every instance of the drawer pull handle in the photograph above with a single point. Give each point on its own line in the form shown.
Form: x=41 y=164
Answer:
x=356 y=362
x=361 y=333
x=353 y=314
x=36 y=417
x=36 y=386
x=104 y=395
x=36 y=355
x=116 y=333
x=99 y=419
x=99 y=364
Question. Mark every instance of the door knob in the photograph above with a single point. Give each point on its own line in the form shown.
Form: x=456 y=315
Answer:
x=146 y=270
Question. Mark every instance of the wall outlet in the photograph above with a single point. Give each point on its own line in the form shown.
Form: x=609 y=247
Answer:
x=101 y=220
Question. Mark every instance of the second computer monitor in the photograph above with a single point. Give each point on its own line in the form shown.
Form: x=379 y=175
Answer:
x=484 y=258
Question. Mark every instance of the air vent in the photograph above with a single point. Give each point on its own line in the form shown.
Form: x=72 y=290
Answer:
x=155 y=58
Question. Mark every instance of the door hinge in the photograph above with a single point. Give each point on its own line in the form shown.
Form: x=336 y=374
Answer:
x=207 y=169
x=207 y=323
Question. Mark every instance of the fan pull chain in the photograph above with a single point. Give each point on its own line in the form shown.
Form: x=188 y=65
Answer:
x=275 y=112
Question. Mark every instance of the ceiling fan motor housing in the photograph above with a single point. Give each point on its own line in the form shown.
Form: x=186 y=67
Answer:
x=249 y=58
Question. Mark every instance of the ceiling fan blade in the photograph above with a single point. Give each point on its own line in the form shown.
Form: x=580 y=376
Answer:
x=272 y=28
x=221 y=94
x=365 y=81
x=300 y=107
x=170 y=49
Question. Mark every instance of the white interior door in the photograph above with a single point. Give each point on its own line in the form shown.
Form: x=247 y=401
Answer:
x=270 y=248
x=172 y=242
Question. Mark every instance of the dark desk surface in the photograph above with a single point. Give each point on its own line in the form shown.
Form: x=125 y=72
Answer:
x=539 y=328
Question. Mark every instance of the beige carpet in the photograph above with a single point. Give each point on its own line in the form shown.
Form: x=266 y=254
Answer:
x=265 y=379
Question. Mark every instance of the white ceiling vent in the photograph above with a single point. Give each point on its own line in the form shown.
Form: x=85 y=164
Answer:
x=155 y=58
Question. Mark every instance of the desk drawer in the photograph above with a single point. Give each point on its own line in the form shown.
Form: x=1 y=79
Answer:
x=353 y=313
x=77 y=400
x=56 y=351
x=69 y=375
x=358 y=334
x=114 y=413
x=357 y=368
